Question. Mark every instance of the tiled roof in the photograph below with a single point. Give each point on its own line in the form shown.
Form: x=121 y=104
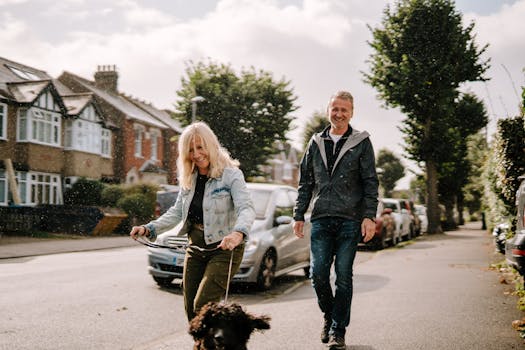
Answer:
x=162 y=115
x=120 y=103
x=26 y=92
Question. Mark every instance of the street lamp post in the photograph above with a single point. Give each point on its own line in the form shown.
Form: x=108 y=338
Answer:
x=194 y=102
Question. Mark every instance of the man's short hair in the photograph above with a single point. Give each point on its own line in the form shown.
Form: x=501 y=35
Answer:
x=344 y=95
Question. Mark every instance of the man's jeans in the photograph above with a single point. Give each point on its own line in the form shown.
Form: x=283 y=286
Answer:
x=334 y=237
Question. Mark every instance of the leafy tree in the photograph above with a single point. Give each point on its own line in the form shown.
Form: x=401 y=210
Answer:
x=477 y=155
x=391 y=170
x=421 y=55
x=248 y=111
x=317 y=123
x=470 y=116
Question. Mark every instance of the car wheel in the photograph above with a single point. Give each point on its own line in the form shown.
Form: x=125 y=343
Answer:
x=163 y=281
x=266 y=271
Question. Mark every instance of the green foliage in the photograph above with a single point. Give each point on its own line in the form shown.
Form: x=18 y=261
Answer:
x=248 y=111
x=421 y=55
x=137 y=206
x=474 y=189
x=392 y=170
x=317 y=123
x=111 y=194
x=84 y=192
x=510 y=160
x=146 y=189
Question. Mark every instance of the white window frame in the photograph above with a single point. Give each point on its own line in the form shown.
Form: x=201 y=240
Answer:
x=154 y=137
x=105 y=143
x=44 y=188
x=4 y=189
x=39 y=126
x=3 y=121
x=138 y=137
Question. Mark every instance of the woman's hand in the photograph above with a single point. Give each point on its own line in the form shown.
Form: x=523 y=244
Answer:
x=232 y=240
x=137 y=231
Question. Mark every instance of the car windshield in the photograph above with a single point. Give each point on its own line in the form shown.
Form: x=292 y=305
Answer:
x=389 y=205
x=260 y=200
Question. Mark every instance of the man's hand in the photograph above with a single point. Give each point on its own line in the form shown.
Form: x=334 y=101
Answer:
x=298 y=227
x=368 y=229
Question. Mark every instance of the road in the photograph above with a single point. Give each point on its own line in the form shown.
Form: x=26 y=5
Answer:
x=434 y=293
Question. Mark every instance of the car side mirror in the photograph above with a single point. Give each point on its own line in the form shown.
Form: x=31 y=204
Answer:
x=282 y=220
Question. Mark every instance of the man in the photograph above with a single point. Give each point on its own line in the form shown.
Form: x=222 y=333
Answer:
x=338 y=175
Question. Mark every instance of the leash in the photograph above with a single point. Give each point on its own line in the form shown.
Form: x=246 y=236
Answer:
x=183 y=247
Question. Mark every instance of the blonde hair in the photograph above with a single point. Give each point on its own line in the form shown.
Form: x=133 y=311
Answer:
x=218 y=156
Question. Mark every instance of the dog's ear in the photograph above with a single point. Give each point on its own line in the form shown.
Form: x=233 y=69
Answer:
x=261 y=322
x=198 y=324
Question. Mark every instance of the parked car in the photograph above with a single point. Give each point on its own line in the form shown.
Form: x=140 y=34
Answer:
x=500 y=233
x=166 y=197
x=416 y=221
x=271 y=251
x=385 y=228
x=421 y=212
x=401 y=216
x=515 y=246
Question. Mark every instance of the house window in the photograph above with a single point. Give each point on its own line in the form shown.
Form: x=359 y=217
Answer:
x=106 y=143
x=154 y=145
x=3 y=188
x=3 y=121
x=138 y=141
x=38 y=125
x=45 y=188
x=83 y=135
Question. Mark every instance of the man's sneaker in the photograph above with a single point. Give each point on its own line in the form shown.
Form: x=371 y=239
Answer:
x=326 y=328
x=336 y=342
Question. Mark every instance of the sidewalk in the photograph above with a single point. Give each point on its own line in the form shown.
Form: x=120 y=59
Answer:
x=19 y=247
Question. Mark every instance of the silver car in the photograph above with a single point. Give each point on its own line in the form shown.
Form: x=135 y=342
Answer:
x=271 y=251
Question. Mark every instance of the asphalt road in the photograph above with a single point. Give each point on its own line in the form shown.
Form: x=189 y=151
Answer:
x=434 y=293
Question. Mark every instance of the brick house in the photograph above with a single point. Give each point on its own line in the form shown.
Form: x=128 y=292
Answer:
x=37 y=129
x=283 y=168
x=53 y=132
x=144 y=146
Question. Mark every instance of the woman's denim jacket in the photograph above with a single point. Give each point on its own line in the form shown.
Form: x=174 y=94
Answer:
x=227 y=206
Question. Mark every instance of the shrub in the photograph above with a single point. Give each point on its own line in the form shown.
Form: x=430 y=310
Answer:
x=138 y=206
x=111 y=194
x=84 y=192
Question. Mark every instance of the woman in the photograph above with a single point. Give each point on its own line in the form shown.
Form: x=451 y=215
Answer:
x=217 y=211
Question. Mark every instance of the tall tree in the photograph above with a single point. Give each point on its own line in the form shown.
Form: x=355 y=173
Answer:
x=391 y=170
x=469 y=117
x=317 y=122
x=421 y=54
x=477 y=155
x=248 y=111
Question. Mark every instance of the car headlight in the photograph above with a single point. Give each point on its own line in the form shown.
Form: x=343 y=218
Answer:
x=251 y=245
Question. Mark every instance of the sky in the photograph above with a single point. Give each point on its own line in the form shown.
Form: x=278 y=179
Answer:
x=319 y=46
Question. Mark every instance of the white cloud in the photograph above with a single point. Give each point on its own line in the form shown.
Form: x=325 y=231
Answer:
x=319 y=45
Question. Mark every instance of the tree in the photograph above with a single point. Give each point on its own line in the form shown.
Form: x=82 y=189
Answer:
x=317 y=123
x=469 y=117
x=477 y=155
x=248 y=111
x=391 y=170
x=420 y=56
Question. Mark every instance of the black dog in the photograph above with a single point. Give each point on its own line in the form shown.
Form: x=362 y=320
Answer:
x=224 y=327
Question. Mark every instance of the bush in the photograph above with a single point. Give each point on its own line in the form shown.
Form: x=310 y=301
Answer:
x=84 y=192
x=148 y=190
x=111 y=194
x=138 y=206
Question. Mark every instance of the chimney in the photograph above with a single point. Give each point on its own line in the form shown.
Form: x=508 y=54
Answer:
x=106 y=78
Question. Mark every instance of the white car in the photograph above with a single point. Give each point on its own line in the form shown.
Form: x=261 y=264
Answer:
x=272 y=249
x=401 y=216
x=421 y=211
